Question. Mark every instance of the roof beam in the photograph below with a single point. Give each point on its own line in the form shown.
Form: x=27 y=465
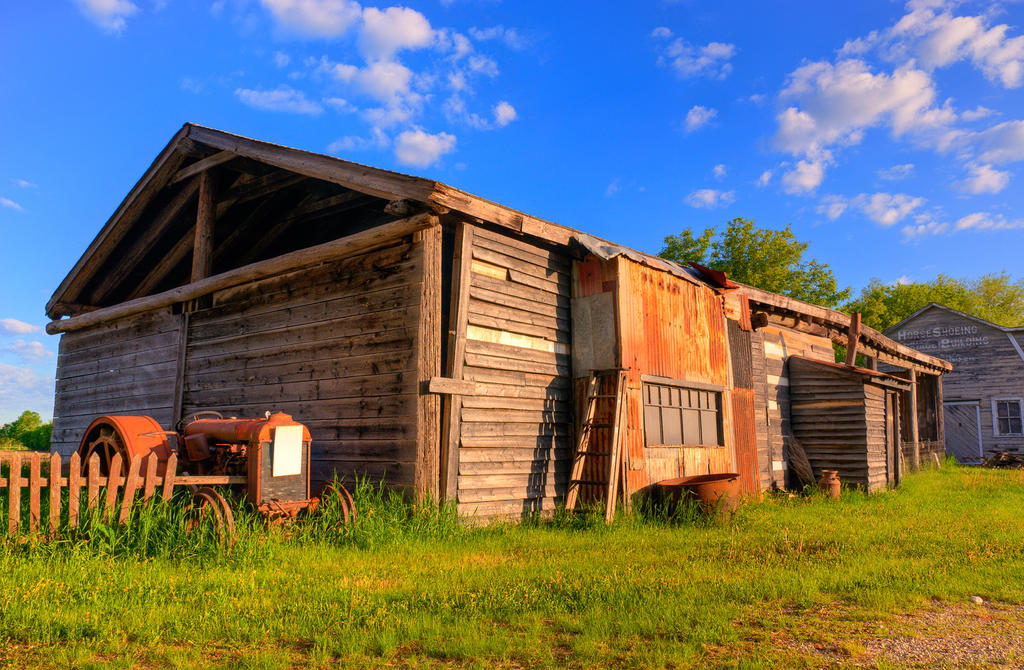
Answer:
x=372 y=181
x=366 y=240
x=202 y=165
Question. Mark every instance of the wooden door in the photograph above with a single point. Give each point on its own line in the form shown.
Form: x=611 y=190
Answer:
x=962 y=429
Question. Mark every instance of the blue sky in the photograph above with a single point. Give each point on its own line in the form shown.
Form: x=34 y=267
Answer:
x=889 y=135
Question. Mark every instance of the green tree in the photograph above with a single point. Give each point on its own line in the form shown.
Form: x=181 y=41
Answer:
x=772 y=260
x=28 y=430
x=993 y=297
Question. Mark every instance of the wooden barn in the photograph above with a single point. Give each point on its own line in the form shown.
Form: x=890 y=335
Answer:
x=428 y=337
x=983 y=398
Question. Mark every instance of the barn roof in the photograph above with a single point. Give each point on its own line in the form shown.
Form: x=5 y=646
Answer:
x=935 y=305
x=128 y=261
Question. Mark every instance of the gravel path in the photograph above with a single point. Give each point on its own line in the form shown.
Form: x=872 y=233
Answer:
x=965 y=635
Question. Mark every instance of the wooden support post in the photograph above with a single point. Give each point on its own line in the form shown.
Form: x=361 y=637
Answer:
x=939 y=416
x=458 y=317
x=853 y=336
x=912 y=409
x=428 y=346
x=206 y=213
x=179 y=379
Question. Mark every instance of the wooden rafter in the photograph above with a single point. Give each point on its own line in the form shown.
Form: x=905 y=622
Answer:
x=307 y=208
x=206 y=216
x=203 y=165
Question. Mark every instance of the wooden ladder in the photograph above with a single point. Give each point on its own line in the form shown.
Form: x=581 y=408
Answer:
x=616 y=464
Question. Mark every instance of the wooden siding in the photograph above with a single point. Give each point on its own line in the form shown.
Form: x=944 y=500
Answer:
x=125 y=367
x=778 y=344
x=334 y=346
x=841 y=422
x=515 y=438
x=757 y=366
x=986 y=365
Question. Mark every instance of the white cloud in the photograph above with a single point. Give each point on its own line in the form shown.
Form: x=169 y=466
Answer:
x=421 y=149
x=377 y=140
x=314 y=18
x=984 y=179
x=924 y=225
x=504 y=114
x=281 y=99
x=1003 y=143
x=986 y=221
x=613 y=188
x=281 y=59
x=108 y=14
x=385 y=32
x=16 y=327
x=688 y=60
x=719 y=171
x=978 y=112
x=22 y=388
x=698 y=117
x=896 y=172
x=835 y=104
x=24 y=183
x=28 y=351
x=887 y=209
x=340 y=105
x=832 y=207
x=804 y=178
x=509 y=36
x=709 y=198
x=765 y=178
x=10 y=204
x=387 y=81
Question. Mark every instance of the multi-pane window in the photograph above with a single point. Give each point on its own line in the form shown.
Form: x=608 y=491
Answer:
x=675 y=415
x=1008 y=417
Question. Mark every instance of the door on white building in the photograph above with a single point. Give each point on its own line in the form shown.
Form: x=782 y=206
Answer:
x=962 y=429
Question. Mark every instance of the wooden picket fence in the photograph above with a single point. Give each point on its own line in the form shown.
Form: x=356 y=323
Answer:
x=141 y=479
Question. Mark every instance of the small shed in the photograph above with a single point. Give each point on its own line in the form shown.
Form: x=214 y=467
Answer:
x=847 y=419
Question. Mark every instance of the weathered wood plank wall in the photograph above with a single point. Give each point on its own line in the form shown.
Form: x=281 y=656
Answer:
x=987 y=365
x=778 y=344
x=124 y=367
x=334 y=346
x=514 y=449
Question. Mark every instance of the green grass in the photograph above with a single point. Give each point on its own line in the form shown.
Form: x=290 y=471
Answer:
x=409 y=586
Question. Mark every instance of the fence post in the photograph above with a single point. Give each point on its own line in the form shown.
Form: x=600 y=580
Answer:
x=113 y=481
x=74 y=489
x=34 y=486
x=14 y=495
x=94 y=482
x=172 y=467
x=150 y=487
x=54 y=482
x=131 y=485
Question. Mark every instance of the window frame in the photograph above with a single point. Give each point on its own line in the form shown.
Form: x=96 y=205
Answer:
x=995 y=416
x=682 y=385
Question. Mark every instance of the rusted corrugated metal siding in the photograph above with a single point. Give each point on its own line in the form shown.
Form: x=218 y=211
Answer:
x=675 y=329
